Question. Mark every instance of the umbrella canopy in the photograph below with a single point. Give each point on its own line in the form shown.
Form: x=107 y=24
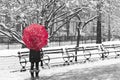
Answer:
x=35 y=36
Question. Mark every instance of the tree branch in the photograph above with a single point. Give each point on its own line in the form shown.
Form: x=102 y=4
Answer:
x=16 y=34
x=61 y=26
x=55 y=22
x=60 y=15
x=20 y=41
x=50 y=3
x=79 y=9
x=53 y=12
x=18 y=1
x=5 y=33
x=86 y=22
x=11 y=33
x=66 y=16
x=4 y=26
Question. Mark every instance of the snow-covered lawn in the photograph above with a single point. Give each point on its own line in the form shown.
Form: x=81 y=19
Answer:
x=100 y=70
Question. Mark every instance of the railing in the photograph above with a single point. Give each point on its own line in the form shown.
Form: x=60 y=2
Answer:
x=71 y=38
x=8 y=43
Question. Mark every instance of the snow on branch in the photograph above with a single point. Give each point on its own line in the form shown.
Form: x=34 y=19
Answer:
x=61 y=26
x=67 y=13
x=52 y=13
x=4 y=26
x=5 y=33
x=50 y=3
x=16 y=38
x=86 y=22
x=11 y=34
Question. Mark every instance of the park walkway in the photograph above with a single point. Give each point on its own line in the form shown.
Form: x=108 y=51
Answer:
x=108 y=69
x=93 y=71
x=99 y=70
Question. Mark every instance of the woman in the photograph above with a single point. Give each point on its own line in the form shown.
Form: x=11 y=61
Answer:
x=35 y=37
x=35 y=58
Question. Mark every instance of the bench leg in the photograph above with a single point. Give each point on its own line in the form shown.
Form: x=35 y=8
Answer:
x=41 y=63
x=76 y=55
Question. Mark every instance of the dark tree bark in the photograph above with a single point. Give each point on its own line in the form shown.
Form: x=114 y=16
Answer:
x=98 y=38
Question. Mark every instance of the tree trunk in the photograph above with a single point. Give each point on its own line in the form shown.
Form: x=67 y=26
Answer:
x=78 y=40
x=98 y=40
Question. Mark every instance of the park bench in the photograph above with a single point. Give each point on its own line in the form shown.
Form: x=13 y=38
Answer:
x=83 y=51
x=101 y=50
x=54 y=54
x=23 y=59
x=90 y=51
x=71 y=54
x=66 y=54
x=113 y=48
x=48 y=55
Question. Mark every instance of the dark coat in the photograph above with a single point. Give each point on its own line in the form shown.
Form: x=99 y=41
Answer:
x=35 y=56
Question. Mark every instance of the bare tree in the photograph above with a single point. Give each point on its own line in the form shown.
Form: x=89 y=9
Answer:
x=46 y=12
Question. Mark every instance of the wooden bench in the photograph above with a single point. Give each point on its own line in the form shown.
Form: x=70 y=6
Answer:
x=56 y=53
x=70 y=54
x=86 y=51
x=24 y=57
x=113 y=48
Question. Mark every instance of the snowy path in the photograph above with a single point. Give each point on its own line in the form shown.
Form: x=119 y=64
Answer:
x=6 y=75
x=8 y=64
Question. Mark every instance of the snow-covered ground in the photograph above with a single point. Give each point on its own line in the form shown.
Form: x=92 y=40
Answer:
x=49 y=72
x=8 y=63
x=7 y=75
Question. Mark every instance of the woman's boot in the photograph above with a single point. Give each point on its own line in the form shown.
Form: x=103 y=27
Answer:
x=37 y=70
x=32 y=73
x=37 y=73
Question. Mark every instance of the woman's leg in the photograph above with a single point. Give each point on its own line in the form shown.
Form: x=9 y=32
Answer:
x=32 y=69
x=37 y=69
x=41 y=63
x=41 y=56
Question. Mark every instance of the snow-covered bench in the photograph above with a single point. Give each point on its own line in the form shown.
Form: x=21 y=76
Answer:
x=64 y=54
x=84 y=52
x=23 y=59
x=50 y=55
x=68 y=54
x=112 y=47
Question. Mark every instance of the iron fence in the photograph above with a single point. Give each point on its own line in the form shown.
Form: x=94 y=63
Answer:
x=68 y=40
x=9 y=43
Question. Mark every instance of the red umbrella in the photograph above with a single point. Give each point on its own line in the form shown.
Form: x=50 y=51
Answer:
x=35 y=36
